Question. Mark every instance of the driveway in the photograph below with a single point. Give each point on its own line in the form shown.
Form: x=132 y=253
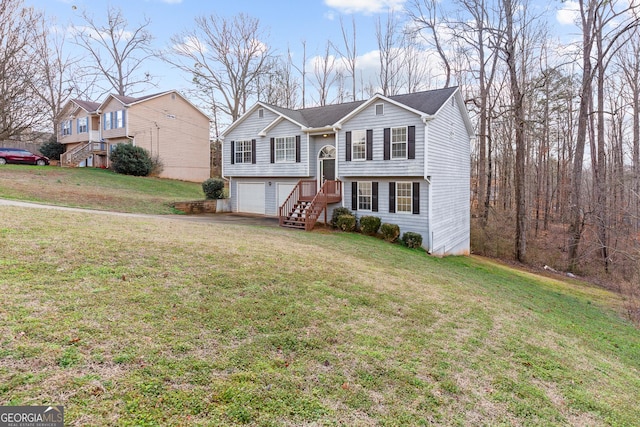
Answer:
x=224 y=218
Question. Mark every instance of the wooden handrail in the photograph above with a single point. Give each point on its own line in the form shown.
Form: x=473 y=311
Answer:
x=330 y=192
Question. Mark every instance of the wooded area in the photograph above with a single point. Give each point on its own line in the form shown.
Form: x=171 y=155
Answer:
x=556 y=158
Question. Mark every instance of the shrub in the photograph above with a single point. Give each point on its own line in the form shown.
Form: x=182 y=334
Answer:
x=157 y=166
x=52 y=149
x=336 y=213
x=128 y=159
x=370 y=224
x=213 y=188
x=390 y=232
x=412 y=240
x=346 y=222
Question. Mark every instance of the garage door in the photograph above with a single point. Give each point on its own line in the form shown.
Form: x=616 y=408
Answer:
x=251 y=197
x=283 y=192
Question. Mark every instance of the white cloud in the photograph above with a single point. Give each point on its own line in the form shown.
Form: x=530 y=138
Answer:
x=190 y=45
x=172 y=1
x=569 y=13
x=364 y=6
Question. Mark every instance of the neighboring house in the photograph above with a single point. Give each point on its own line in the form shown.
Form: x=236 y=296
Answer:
x=166 y=124
x=404 y=159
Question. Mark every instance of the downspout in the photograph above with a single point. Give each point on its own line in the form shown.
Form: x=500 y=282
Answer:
x=426 y=119
x=336 y=129
x=308 y=154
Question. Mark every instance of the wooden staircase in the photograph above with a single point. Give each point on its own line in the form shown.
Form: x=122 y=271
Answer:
x=77 y=155
x=304 y=205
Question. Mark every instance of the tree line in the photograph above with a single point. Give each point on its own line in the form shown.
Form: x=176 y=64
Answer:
x=556 y=157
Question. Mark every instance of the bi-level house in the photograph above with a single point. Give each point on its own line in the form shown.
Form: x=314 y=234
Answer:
x=404 y=159
x=165 y=124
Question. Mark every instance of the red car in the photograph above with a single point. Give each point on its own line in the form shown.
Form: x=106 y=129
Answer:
x=20 y=156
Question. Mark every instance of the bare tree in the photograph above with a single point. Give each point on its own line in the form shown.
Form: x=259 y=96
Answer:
x=225 y=57
x=302 y=70
x=599 y=39
x=416 y=65
x=118 y=53
x=278 y=85
x=630 y=67
x=349 y=54
x=389 y=48
x=55 y=87
x=324 y=74
x=517 y=97
x=20 y=107
x=427 y=15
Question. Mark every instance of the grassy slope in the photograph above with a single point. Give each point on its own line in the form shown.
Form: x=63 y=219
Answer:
x=94 y=189
x=163 y=322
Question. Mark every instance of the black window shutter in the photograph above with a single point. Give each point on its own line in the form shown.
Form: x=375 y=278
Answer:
x=387 y=143
x=392 y=197
x=416 y=197
x=354 y=196
x=411 y=142
x=369 y=144
x=233 y=152
x=347 y=146
x=253 y=151
x=297 y=148
x=273 y=150
x=374 y=196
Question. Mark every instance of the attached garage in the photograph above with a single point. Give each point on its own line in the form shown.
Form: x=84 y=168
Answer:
x=251 y=197
x=284 y=189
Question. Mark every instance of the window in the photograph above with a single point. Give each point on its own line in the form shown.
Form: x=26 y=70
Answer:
x=83 y=125
x=399 y=143
x=261 y=113
x=107 y=121
x=65 y=127
x=118 y=121
x=404 y=197
x=364 y=196
x=379 y=109
x=243 y=152
x=359 y=145
x=285 y=149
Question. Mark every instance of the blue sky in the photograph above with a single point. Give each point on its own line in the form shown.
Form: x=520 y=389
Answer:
x=287 y=22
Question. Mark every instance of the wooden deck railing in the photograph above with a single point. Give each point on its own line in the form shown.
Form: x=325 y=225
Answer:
x=305 y=191
x=331 y=192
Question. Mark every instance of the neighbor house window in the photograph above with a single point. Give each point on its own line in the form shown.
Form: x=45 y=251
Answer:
x=285 y=149
x=364 y=196
x=359 y=145
x=83 y=125
x=399 y=143
x=65 y=127
x=244 y=152
x=107 y=121
x=118 y=121
x=404 y=197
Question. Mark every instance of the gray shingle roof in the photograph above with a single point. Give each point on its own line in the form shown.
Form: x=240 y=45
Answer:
x=428 y=102
x=88 y=106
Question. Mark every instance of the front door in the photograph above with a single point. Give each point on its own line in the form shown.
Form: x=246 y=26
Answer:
x=328 y=170
x=327 y=164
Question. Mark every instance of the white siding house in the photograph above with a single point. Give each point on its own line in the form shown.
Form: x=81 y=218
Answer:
x=404 y=159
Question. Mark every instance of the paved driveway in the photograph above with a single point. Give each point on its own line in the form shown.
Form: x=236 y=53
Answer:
x=228 y=218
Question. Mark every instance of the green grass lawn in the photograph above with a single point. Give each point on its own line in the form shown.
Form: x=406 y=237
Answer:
x=94 y=188
x=142 y=321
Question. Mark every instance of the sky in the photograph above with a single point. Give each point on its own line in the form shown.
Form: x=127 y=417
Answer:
x=286 y=22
